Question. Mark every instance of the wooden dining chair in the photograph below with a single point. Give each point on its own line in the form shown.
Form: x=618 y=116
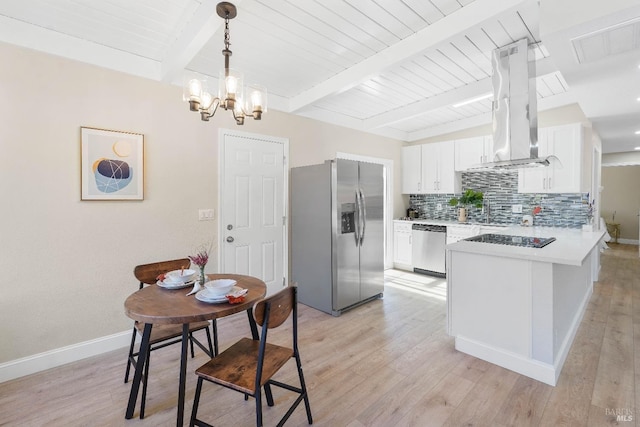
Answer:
x=249 y=365
x=165 y=335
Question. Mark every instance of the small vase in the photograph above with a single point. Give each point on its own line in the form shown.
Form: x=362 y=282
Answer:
x=462 y=215
x=203 y=277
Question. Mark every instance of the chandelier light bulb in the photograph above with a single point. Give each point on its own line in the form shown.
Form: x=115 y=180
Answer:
x=256 y=100
x=231 y=83
x=195 y=89
x=207 y=100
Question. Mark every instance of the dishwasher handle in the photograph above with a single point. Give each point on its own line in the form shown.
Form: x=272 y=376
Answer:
x=429 y=227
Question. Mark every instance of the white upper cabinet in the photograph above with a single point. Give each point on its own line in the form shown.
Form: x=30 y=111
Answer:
x=412 y=169
x=565 y=173
x=470 y=152
x=429 y=169
x=438 y=168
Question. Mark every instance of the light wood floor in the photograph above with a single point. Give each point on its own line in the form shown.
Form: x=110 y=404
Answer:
x=387 y=363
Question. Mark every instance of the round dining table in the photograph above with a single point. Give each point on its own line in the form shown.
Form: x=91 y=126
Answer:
x=157 y=305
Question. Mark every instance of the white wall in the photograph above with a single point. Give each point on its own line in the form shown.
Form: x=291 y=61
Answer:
x=554 y=117
x=621 y=195
x=621 y=159
x=67 y=265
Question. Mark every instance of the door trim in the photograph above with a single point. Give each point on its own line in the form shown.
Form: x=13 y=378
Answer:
x=222 y=134
x=388 y=200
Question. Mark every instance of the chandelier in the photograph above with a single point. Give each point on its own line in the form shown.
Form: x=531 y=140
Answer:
x=231 y=91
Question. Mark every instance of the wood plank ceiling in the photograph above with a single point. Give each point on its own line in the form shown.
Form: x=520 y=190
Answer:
x=390 y=67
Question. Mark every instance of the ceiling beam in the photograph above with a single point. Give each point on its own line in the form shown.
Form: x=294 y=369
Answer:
x=204 y=23
x=52 y=42
x=543 y=67
x=450 y=26
x=349 y=122
x=547 y=103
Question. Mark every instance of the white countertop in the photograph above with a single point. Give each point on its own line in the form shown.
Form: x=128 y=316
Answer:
x=571 y=246
x=449 y=223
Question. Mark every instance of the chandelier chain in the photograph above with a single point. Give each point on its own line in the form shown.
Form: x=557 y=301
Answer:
x=227 y=37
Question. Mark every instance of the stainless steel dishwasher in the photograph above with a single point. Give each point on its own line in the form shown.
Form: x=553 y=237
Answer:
x=428 y=249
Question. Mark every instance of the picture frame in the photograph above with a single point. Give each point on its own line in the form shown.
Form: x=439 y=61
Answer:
x=112 y=165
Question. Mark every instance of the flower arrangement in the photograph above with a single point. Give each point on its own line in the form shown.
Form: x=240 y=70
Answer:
x=200 y=259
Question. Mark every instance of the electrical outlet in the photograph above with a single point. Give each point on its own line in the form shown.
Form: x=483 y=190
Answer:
x=439 y=206
x=206 y=215
x=516 y=208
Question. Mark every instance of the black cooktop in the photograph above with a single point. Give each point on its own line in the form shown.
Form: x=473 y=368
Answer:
x=504 y=239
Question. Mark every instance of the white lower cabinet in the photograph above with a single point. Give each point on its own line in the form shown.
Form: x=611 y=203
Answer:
x=402 y=245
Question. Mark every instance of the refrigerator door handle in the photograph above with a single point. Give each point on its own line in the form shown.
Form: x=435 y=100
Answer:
x=358 y=219
x=363 y=218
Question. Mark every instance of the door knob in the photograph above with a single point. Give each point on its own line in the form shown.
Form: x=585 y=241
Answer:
x=229 y=227
x=230 y=239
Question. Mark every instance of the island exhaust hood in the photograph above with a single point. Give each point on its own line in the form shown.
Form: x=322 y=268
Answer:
x=515 y=113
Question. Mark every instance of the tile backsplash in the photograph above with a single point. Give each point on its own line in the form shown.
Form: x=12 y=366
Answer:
x=500 y=193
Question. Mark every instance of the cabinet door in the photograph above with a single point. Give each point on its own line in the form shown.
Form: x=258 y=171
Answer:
x=534 y=180
x=402 y=251
x=430 y=154
x=565 y=142
x=402 y=247
x=469 y=152
x=488 y=149
x=448 y=182
x=411 y=169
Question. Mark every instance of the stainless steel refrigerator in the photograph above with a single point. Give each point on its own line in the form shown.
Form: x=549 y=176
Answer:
x=337 y=234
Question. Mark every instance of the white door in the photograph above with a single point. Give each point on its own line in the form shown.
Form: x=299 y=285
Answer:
x=252 y=223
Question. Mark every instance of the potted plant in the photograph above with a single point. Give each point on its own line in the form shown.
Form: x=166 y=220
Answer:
x=468 y=198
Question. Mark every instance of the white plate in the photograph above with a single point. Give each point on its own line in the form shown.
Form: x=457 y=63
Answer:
x=204 y=297
x=174 y=285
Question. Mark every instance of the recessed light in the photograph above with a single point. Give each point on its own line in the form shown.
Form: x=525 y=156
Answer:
x=637 y=148
x=638 y=132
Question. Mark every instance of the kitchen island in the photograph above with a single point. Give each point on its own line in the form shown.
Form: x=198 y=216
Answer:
x=520 y=307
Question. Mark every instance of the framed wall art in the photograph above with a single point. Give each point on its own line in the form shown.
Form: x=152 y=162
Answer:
x=112 y=165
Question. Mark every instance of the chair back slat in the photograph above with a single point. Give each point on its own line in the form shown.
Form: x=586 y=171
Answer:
x=281 y=306
x=148 y=273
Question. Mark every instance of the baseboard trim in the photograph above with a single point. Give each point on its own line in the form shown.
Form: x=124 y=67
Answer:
x=61 y=356
x=535 y=369
x=628 y=242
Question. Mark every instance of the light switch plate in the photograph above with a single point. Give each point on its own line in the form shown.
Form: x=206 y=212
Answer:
x=206 y=214
x=516 y=208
